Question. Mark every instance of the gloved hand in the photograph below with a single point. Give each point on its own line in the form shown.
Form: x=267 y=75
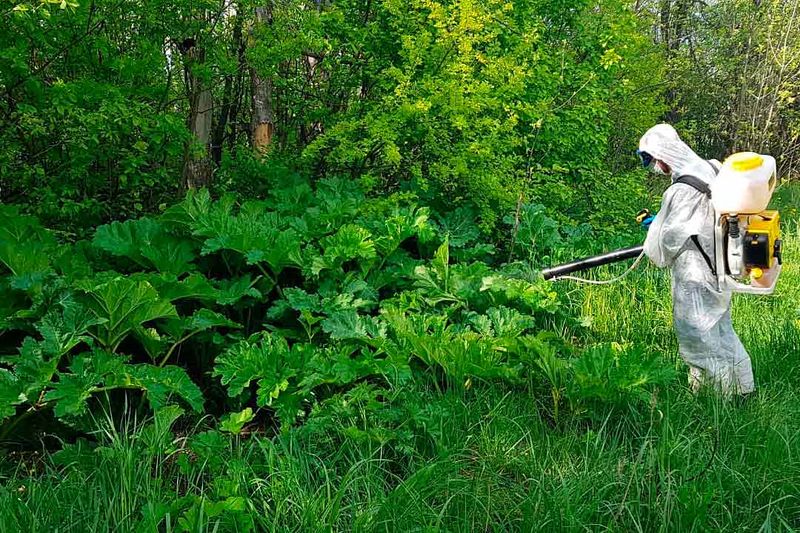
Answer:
x=645 y=218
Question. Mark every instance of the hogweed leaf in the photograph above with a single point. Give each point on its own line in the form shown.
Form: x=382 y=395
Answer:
x=201 y=320
x=235 y=422
x=259 y=357
x=26 y=249
x=192 y=287
x=347 y=324
x=349 y=243
x=260 y=237
x=61 y=332
x=268 y=361
x=33 y=369
x=164 y=384
x=145 y=242
x=190 y=213
x=234 y=290
x=123 y=305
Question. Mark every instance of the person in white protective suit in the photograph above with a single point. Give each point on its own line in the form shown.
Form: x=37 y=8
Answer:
x=701 y=312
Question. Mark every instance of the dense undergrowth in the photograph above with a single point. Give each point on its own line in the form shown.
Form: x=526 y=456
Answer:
x=317 y=317
x=283 y=304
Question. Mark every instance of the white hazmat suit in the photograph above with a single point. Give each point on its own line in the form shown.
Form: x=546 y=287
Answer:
x=701 y=312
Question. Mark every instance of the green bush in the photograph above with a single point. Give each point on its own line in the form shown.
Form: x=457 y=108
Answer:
x=474 y=104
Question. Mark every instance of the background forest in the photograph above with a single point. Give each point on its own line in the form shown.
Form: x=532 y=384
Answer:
x=274 y=266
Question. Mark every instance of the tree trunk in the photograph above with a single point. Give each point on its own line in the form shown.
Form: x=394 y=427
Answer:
x=198 y=167
x=263 y=124
x=227 y=110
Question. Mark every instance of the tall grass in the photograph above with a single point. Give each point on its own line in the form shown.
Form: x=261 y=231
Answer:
x=691 y=463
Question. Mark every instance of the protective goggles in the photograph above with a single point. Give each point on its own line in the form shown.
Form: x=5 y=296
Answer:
x=645 y=158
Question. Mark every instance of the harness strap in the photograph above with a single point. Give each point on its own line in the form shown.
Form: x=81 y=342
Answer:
x=710 y=263
x=695 y=183
x=702 y=187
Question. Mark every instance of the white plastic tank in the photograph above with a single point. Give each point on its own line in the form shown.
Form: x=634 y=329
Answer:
x=745 y=184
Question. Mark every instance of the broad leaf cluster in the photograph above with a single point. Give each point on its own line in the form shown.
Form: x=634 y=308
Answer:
x=272 y=309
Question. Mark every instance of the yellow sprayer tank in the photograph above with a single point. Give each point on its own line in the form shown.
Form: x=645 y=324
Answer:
x=745 y=184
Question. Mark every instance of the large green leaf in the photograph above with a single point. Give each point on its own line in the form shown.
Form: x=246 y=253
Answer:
x=26 y=249
x=97 y=371
x=192 y=287
x=122 y=238
x=538 y=296
x=336 y=202
x=11 y=303
x=350 y=243
x=164 y=384
x=194 y=210
x=70 y=393
x=265 y=359
x=235 y=422
x=300 y=300
x=32 y=368
x=197 y=287
x=231 y=291
x=343 y=365
x=258 y=235
x=123 y=305
x=153 y=341
x=72 y=389
x=437 y=343
x=176 y=331
x=205 y=319
x=614 y=374
x=61 y=332
x=347 y=324
x=202 y=320
x=402 y=223
x=145 y=242
x=278 y=251
x=508 y=322
x=35 y=365
x=460 y=227
x=435 y=279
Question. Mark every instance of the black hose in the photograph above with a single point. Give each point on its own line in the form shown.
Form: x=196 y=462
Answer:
x=592 y=262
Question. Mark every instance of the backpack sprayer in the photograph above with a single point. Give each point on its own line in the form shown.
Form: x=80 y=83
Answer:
x=747 y=244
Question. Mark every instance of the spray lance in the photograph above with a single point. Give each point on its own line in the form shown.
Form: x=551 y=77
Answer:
x=747 y=245
x=562 y=271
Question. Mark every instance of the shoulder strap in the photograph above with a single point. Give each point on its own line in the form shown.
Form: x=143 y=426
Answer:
x=710 y=263
x=696 y=183
x=702 y=187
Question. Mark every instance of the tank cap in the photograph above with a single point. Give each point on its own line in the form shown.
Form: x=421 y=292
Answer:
x=744 y=161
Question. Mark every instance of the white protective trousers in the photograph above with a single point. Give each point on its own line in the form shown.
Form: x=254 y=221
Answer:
x=702 y=320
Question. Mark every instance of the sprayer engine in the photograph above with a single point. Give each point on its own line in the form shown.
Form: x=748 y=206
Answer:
x=748 y=252
x=746 y=235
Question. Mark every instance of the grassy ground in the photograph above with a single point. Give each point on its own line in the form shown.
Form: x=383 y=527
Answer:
x=689 y=464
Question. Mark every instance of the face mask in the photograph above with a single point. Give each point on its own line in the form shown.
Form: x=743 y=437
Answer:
x=657 y=169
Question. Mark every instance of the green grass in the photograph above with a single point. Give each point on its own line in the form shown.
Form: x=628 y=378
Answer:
x=497 y=464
